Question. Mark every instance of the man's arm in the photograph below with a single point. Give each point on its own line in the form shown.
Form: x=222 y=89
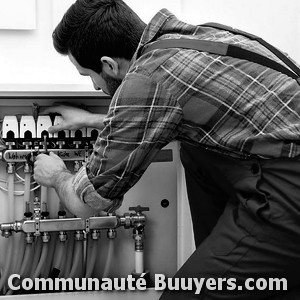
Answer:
x=51 y=171
x=142 y=119
x=74 y=118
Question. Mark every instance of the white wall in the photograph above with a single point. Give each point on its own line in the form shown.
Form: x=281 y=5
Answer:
x=28 y=60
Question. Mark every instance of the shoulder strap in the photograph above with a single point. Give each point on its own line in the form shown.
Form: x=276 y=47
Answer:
x=226 y=49
x=274 y=50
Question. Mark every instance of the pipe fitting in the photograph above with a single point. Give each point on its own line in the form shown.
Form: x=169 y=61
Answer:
x=62 y=236
x=95 y=235
x=6 y=233
x=29 y=238
x=111 y=233
x=79 y=236
x=10 y=168
x=45 y=237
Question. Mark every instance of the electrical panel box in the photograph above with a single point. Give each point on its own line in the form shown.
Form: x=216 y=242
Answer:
x=23 y=132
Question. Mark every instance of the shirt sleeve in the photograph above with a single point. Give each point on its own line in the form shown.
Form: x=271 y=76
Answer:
x=143 y=117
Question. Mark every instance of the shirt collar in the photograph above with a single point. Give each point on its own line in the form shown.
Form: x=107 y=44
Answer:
x=153 y=28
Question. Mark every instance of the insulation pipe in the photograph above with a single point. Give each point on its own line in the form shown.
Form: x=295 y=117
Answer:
x=76 y=259
x=27 y=259
x=25 y=264
x=26 y=199
x=48 y=264
x=42 y=261
x=60 y=251
x=70 y=249
x=91 y=259
x=37 y=255
x=10 y=244
x=27 y=183
x=139 y=262
x=44 y=192
x=108 y=262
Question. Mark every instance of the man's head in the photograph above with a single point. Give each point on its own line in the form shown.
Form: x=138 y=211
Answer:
x=100 y=38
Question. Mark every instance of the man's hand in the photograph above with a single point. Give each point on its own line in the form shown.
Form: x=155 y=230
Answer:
x=74 y=118
x=48 y=169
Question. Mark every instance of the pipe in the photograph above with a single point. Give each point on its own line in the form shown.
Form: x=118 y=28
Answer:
x=91 y=259
x=139 y=262
x=69 y=256
x=27 y=258
x=25 y=263
x=108 y=262
x=21 y=253
x=44 y=192
x=10 y=244
x=42 y=260
x=59 y=254
x=26 y=199
x=47 y=267
x=76 y=259
x=37 y=255
x=27 y=187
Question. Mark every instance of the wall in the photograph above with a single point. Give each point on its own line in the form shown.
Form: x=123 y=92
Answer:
x=29 y=62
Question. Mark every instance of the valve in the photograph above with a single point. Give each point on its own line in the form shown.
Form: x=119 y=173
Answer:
x=139 y=209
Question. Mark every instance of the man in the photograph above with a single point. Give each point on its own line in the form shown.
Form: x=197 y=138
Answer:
x=238 y=123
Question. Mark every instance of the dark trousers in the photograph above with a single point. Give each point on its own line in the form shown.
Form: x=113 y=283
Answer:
x=246 y=221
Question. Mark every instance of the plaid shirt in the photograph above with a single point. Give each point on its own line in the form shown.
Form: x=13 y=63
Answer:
x=218 y=102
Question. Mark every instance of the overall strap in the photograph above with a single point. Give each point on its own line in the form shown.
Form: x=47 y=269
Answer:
x=225 y=49
x=274 y=50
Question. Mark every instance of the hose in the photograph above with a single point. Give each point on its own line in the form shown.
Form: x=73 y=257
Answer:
x=37 y=255
x=69 y=256
x=60 y=250
x=48 y=264
x=25 y=263
x=108 y=262
x=27 y=187
x=91 y=259
x=139 y=262
x=10 y=244
x=26 y=199
x=76 y=259
x=21 y=253
x=44 y=193
x=42 y=261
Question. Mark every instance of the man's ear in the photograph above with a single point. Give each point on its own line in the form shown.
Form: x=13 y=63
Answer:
x=110 y=66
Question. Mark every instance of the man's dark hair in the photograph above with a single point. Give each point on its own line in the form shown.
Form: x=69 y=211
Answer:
x=91 y=29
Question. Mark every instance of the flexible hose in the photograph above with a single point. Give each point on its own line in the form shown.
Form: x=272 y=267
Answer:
x=76 y=259
x=21 y=242
x=10 y=244
x=27 y=188
x=37 y=255
x=27 y=257
x=42 y=260
x=25 y=263
x=44 y=193
x=60 y=250
x=48 y=264
x=139 y=262
x=69 y=256
x=91 y=259
x=108 y=262
x=21 y=253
